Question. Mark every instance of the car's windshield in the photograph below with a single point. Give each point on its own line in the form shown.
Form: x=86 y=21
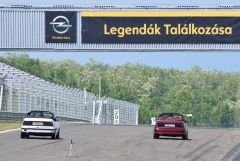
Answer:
x=174 y=116
x=42 y=114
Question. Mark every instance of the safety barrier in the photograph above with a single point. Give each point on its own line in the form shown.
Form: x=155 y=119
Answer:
x=21 y=92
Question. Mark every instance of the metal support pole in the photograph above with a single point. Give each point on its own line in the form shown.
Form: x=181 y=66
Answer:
x=25 y=102
x=85 y=96
x=93 y=114
x=19 y=103
x=99 y=88
x=9 y=109
x=136 y=116
x=99 y=111
x=1 y=97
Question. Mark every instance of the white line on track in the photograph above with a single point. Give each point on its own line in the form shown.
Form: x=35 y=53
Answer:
x=1 y=132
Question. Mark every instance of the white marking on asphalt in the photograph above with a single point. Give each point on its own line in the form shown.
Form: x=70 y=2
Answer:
x=77 y=122
x=1 y=132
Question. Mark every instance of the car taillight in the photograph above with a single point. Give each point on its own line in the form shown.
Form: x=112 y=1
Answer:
x=179 y=125
x=47 y=124
x=27 y=123
x=160 y=124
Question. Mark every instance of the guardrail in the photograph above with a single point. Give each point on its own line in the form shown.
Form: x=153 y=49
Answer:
x=11 y=116
x=20 y=116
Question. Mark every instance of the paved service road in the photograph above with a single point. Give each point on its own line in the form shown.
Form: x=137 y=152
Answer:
x=122 y=143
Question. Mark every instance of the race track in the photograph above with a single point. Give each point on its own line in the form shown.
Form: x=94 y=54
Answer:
x=121 y=143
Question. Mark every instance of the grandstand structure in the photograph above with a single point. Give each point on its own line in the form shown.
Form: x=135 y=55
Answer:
x=22 y=92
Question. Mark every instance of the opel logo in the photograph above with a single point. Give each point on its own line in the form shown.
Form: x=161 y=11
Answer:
x=60 y=24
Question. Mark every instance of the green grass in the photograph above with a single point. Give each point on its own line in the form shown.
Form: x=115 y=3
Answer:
x=7 y=125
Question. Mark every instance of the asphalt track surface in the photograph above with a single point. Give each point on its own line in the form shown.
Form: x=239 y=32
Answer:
x=121 y=143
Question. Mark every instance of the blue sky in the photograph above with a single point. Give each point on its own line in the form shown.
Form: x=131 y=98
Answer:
x=222 y=61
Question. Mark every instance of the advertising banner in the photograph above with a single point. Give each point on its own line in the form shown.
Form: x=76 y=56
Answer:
x=160 y=27
x=60 y=27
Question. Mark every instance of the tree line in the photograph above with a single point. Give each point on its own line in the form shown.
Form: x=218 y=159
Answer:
x=212 y=97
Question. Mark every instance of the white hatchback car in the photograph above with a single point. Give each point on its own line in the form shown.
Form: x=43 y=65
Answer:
x=40 y=123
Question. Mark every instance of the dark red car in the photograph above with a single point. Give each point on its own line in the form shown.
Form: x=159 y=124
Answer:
x=171 y=124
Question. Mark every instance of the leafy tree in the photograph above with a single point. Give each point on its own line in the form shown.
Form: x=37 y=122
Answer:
x=213 y=97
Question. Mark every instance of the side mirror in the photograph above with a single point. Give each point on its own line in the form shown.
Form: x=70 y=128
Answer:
x=58 y=119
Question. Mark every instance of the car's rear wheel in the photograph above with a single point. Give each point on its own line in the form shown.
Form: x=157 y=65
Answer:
x=23 y=135
x=155 y=136
x=58 y=134
x=53 y=136
x=185 y=137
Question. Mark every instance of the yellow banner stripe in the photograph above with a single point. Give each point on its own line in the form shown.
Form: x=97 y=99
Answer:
x=160 y=14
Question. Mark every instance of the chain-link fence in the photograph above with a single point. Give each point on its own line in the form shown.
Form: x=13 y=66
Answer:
x=21 y=92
